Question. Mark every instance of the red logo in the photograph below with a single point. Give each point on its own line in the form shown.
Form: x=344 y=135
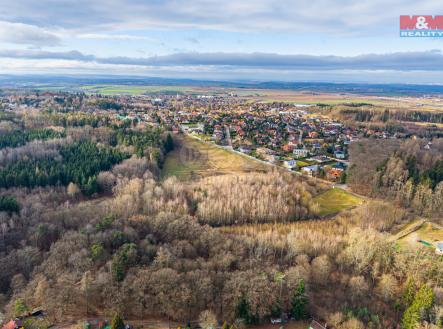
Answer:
x=423 y=22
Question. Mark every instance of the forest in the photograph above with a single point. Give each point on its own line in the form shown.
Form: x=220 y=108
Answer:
x=18 y=138
x=79 y=163
x=410 y=174
x=89 y=227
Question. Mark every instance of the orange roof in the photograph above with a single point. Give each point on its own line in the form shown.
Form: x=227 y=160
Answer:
x=12 y=324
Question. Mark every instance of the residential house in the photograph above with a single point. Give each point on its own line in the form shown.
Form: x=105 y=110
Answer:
x=339 y=155
x=334 y=173
x=439 y=248
x=288 y=147
x=14 y=324
x=310 y=170
x=291 y=163
x=301 y=153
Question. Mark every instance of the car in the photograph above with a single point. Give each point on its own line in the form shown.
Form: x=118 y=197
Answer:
x=276 y=320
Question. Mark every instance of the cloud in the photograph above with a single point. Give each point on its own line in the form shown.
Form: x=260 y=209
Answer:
x=39 y=54
x=193 y=40
x=77 y=68
x=19 y=33
x=401 y=61
x=301 y=16
x=125 y=37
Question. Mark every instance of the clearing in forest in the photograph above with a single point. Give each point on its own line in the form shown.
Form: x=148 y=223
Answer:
x=420 y=230
x=192 y=159
x=335 y=200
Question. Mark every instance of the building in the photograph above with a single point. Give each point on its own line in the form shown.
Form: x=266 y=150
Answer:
x=14 y=324
x=439 y=248
x=334 y=173
x=310 y=170
x=288 y=147
x=339 y=155
x=301 y=153
x=291 y=164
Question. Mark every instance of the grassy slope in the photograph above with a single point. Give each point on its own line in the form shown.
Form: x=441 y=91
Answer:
x=192 y=158
x=335 y=200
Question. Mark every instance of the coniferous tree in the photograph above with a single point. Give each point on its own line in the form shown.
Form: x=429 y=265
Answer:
x=299 y=301
x=117 y=322
x=169 y=143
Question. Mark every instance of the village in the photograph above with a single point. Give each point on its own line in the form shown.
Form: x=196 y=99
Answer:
x=282 y=134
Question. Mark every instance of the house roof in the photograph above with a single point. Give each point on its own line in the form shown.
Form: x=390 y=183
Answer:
x=12 y=324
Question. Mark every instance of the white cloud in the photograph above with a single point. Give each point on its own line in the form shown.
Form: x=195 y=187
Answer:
x=19 y=33
x=103 y=36
x=323 y=16
x=400 y=61
x=65 y=67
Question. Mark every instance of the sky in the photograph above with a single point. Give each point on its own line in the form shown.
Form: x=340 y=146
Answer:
x=258 y=40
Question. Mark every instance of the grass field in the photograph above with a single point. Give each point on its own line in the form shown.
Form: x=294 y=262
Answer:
x=136 y=90
x=193 y=159
x=303 y=163
x=335 y=200
x=419 y=230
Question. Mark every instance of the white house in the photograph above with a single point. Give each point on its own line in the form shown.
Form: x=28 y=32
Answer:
x=310 y=170
x=439 y=248
x=301 y=153
x=290 y=163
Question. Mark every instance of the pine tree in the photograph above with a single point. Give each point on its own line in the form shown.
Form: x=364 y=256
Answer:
x=169 y=143
x=419 y=309
x=117 y=322
x=299 y=301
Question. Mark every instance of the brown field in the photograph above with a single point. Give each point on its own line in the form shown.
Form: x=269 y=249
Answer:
x=193 y=159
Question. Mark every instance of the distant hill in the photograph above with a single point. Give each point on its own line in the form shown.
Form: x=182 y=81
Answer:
x=30 y=81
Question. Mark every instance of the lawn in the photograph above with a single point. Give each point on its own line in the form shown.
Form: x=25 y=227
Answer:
x=303 y=163
x=420 y=230
x=192 y=159
x=335 y=200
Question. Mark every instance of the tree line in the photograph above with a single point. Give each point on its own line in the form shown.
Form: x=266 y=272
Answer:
x=80 y=163
x=18 y=137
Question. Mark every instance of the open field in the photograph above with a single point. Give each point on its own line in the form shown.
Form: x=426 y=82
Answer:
x=335 y=200
x=137 y=90
x=306 y=97
x=417 y=230
x=192 y=159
